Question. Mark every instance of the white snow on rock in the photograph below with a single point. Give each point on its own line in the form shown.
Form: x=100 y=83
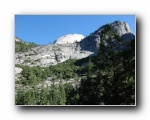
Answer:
x=70 y=38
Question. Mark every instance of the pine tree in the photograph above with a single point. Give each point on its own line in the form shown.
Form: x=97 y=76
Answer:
x=89 y=69
x=87 y=88
x=54 y=94
x=44 y=94
x=20 y=97
x=112 y=73
x=62 y=94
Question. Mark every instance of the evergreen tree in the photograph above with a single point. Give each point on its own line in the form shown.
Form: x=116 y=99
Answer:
x=62 y=94
x=20 y=97
x=43 y=95
x=54 y=94
x=89 y=69
x=111 y=72
x=87 y=90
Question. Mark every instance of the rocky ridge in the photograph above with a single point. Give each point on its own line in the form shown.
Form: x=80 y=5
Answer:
x=78 y=47
x=91 y=42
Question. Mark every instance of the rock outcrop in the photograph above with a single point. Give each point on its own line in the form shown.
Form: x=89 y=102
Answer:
x=72 y=46
x=91 y=42
x=50 y=54
x=17 y=72
x=70 y=38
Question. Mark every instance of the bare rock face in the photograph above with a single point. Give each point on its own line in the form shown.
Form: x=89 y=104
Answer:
x=17 y=72
x=91 y=42
x=70 y=38
x=72 y=46
x=50 y=54
x=121 y=27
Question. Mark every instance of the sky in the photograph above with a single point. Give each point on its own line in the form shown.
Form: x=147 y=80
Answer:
x=45 y=29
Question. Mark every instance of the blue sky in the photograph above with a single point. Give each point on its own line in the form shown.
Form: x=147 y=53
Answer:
x=44 y=29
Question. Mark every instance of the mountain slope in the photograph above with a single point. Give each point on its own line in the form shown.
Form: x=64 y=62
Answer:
x=106 y=78
x=22 y=46
x=63 y=49
x=91 y=42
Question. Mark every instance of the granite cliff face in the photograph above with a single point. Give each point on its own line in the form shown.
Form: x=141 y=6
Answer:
x=51 y=54
x=72 y=46
x=91 y=42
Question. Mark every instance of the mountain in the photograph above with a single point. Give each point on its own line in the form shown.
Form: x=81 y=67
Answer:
x=72 y=46
x=82 y=76
x=70 y=38
x=91 y=42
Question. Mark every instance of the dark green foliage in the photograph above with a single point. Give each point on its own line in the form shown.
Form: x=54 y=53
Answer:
x=87 y=88
x=114 y=83
x=62 y=94
x=54 y=95
x=89 y=69
x=22 y=46
x=72 y=96
x=31 y=75
x=66 y=70
x=36 y=74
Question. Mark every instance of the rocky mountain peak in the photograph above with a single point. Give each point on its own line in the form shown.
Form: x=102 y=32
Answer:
x=70 y=38
x=121 y=27
x=91 y=42
x=71 y=46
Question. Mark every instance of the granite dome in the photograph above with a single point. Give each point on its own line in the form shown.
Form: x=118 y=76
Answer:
x=70 y=38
